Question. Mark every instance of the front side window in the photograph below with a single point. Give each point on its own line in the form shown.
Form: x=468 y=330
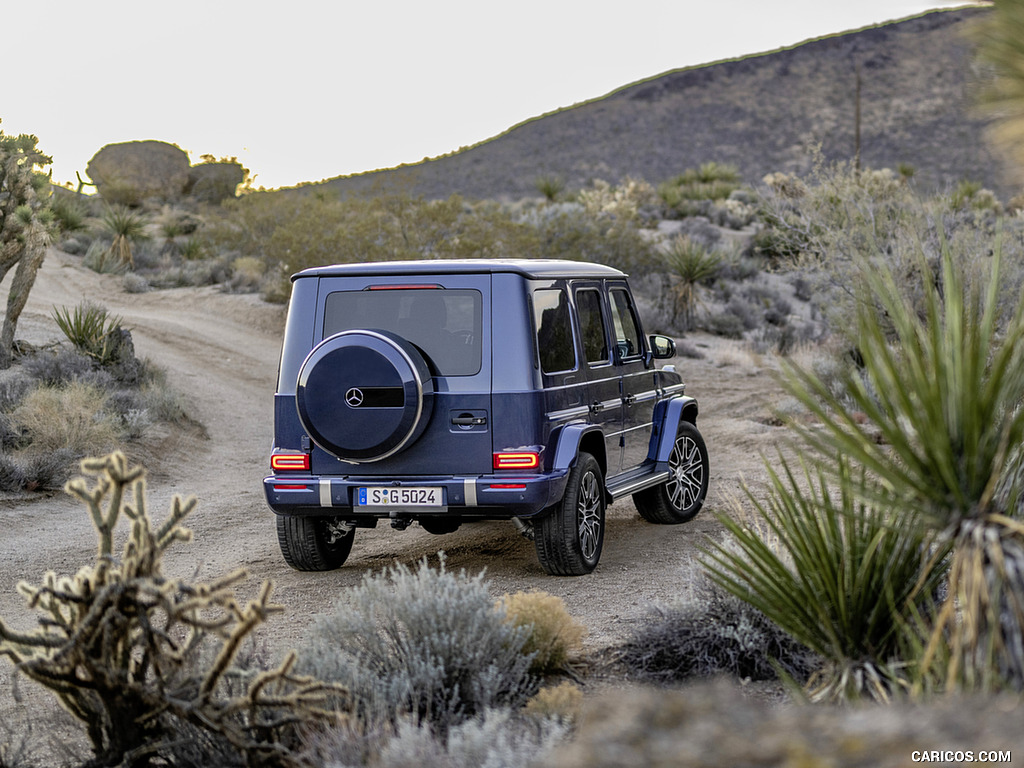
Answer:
x=551 y=318
x=445 y=324
x=627 y=337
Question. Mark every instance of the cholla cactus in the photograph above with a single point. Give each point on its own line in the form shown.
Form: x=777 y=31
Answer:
x=26 y=226
x=122 y=646
x=621 y=202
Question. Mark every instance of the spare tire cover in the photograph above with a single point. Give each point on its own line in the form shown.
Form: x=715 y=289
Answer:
x=364 y=395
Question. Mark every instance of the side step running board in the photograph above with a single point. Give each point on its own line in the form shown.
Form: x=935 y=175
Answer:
x=631 y=485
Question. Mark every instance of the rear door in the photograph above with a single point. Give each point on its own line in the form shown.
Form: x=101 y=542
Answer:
x=448 y=319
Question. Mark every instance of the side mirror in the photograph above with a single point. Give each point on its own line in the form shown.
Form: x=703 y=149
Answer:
x=662 y=347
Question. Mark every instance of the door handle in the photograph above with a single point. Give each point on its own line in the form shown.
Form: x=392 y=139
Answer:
x=469 y=421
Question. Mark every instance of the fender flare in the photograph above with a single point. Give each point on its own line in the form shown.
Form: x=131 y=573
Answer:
x=568 y=444
x=671 y=412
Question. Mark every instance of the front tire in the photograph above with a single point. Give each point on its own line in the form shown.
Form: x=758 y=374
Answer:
x=680 y=498
x=570 y=536
x=312 y=543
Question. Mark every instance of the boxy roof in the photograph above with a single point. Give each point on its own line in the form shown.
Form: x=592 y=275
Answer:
x=534 y=268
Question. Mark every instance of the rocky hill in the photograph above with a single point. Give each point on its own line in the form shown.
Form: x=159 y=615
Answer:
x=759 y=113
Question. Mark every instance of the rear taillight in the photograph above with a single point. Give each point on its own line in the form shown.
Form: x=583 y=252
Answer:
x=290 y=462
x=516 y=460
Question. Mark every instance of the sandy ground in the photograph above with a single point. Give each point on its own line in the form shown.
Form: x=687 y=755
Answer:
x=221 y=351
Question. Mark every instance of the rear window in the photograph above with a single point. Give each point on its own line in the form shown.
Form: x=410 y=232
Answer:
x=444 y=323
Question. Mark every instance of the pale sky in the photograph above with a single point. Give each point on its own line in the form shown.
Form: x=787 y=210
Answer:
x=302 y=90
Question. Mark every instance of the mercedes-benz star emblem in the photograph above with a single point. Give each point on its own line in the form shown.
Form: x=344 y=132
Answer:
x=354 y=397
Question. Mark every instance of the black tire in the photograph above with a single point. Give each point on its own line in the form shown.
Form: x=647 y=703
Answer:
x=681 y=497
x=570 y=535
x=306 y=543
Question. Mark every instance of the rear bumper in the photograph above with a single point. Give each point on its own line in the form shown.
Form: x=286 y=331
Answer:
x=496 y=497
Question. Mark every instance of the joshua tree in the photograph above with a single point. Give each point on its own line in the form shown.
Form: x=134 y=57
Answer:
x=26 y=225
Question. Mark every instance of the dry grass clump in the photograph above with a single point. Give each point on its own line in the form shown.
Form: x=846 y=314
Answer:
x=71 y=417
x=553 y=636
x=561 y=702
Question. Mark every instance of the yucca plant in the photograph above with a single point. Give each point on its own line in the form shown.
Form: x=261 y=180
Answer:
x=840 y=576
x=127 y=227
x=692 y=264
x=1000 y=48
x=92 y=329
x=942 y=390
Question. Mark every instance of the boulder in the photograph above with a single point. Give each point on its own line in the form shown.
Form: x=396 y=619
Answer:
x=214 y=182
x=135 y=171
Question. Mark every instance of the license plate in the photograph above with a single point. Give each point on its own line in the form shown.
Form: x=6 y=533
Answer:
x=399 y=497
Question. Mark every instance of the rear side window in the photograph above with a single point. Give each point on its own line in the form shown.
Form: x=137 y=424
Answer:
x=554 y=330
x=444 y=323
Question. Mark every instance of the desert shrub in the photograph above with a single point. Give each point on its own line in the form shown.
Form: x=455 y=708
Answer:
x=428 y=643
x=553 y=636
x=58 y=367
x=739 y=269
x=49 y=470
x=573 y=233
x=713 y=633
x=140 y=659
x=72 y=417
x=69 y=213
x=733 y=214
x=246 y=275
x=13 y=387
x=725 y=324
x=710 y=182
x=841 y=577
x=98 y=258
x=560 y=702
x=632 y=201
x=12 y=475
x=134 y=283
x=550 y=186
x=192 y=249
x=496 y=738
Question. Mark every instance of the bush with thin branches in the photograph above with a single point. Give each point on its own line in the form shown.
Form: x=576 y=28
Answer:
x=427 y=643
x=141 y=659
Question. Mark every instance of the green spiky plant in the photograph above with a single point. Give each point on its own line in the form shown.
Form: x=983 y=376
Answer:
x=999 y=36
x=92 y=329
x=941 y=390
x=692 y=265
x=27 y=226
x=840 y=576
x=127 y=227
x=140 y=658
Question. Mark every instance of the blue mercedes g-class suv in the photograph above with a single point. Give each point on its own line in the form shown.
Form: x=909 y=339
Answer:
x=443 y=392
